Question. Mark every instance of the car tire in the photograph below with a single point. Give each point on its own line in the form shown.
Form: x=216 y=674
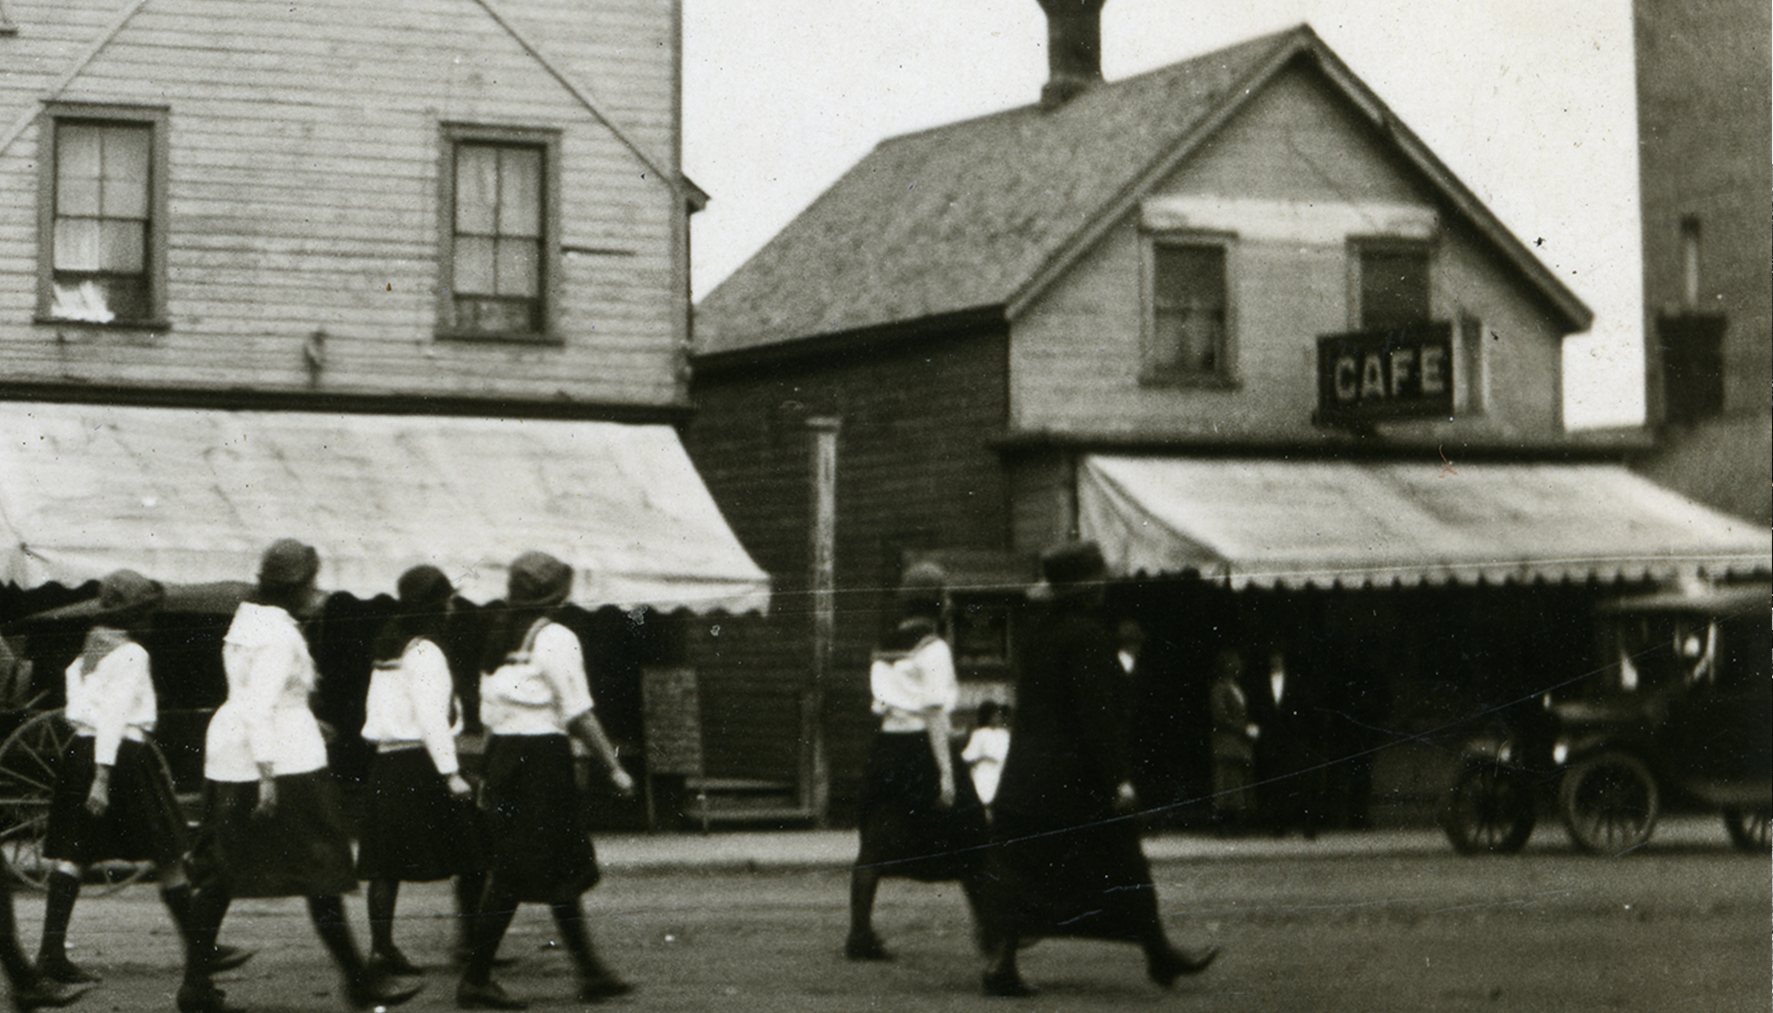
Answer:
x=1489 y=811
x=1610 y=803
x=1748 y=829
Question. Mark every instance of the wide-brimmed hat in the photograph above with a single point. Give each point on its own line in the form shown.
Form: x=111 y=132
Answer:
x=922 y=583
x=1070 y=569
x=288 y=563
x=538 y=579
x=424 y=586
x=124 y=596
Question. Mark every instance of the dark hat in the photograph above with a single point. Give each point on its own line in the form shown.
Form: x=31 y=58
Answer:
x=288 y=564
x=1070 y=569
x=537 y=578
x=124 y=596
x=425 y=586
x=922 y=582
x=126 y=592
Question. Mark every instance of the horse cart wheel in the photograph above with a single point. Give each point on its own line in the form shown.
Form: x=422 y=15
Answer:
x=1610 y=803
x=1748 y=828
x=1490 y=810
x=28 y=760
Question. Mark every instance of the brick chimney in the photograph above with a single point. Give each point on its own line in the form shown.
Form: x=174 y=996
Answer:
x=1074 y=49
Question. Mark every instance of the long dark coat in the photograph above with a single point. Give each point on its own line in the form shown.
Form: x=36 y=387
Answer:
x=1064 y=862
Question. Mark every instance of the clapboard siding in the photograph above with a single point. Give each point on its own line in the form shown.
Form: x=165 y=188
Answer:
x=915 y=470
x=304 y=147
x=1077 y=349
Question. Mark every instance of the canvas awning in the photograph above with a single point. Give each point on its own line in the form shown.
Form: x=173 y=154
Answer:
x=189 y=495
x=1268 y=522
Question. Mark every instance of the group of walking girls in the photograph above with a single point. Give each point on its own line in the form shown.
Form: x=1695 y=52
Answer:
x=1060 y=854
x=272 y=821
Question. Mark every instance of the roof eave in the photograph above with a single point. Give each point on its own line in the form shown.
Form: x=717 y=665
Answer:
x=1303 y=40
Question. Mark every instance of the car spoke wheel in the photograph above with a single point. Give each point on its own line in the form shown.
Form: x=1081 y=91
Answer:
x=1609 y=803
x=1490 y=810
x=1748 y=828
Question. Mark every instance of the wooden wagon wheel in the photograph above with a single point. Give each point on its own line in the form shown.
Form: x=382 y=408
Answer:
x=28 y=760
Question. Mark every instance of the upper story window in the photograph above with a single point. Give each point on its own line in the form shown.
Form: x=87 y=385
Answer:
x=1392 y=284
x=1189 y=325
x=101 y=215
x=500 y=223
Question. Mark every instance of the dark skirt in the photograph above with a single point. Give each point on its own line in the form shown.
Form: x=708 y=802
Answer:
x=413 y=829
x=538 y=830
x=1087 y=880
x=142 y=823
x=904 y=832
x=303 y=849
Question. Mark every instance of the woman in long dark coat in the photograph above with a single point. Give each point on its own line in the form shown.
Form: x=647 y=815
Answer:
x=1067 y=859
x=920 y=814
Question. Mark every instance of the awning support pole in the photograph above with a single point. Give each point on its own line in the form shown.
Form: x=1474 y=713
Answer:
x=823 y=585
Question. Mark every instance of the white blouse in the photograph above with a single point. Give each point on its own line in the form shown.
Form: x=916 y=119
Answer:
x=114 y=701
x=266 y=717
x=541 y=693
x=408 y=704
x=905 y=685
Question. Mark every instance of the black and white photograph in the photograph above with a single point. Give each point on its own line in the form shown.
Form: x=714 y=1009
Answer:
x=819 y=505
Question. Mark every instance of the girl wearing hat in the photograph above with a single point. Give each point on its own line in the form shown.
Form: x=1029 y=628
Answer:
x=918 y=820
x=112 y=797
x=534 y=695
x=419 y=825
x=272 y=823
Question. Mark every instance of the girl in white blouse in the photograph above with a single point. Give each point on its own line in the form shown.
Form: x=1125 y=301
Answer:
x=419 y=824
x=272 y=824
x=534 y=695
x=113 y=798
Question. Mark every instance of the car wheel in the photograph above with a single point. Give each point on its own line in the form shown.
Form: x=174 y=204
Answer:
x=1748 y=828
x=1489 y=810
x=1609 y=803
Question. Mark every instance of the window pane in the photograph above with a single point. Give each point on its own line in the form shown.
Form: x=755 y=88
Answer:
x=517 y=267
x=76 y=244
x=474 y=265
x=126 y=172
x=77 y=169
x=1190 y=276
x=1394 y=288
x=477 y=189
x=121 y=248
x=1188 y=318
x=520 y=192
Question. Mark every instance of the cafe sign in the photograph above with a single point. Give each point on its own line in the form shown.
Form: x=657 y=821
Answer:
x=1395 y=373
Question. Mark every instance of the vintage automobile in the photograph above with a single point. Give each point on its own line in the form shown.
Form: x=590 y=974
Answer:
x=1678 y=716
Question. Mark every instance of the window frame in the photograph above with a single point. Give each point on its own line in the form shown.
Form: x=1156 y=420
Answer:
x=547 y=140
x=1224 y=374
x=1359 y=247
x=157 y=120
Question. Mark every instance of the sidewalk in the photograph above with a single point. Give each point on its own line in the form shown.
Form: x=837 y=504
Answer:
x=833 y=850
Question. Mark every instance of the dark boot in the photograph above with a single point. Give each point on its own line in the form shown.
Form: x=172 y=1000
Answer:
x=596 y=981
x=179 y=906
x=1165 y=963
x=364 y=987
x=384 y=956
x=52 y=953
x=1002 y=979
x=862 y=943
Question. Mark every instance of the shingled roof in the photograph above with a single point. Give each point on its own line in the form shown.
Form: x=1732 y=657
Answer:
x=976 y=214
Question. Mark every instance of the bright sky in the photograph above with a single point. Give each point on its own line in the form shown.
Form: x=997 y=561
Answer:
x=1530 y=103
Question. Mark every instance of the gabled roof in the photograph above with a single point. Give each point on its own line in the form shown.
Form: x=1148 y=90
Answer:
x=987 y=212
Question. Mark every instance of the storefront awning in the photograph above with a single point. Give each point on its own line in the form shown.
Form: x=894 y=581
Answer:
x=1268 y=522
x=187 y=495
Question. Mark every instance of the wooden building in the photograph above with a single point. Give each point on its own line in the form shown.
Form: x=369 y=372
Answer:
x=406 y=279
x=1135 y=311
